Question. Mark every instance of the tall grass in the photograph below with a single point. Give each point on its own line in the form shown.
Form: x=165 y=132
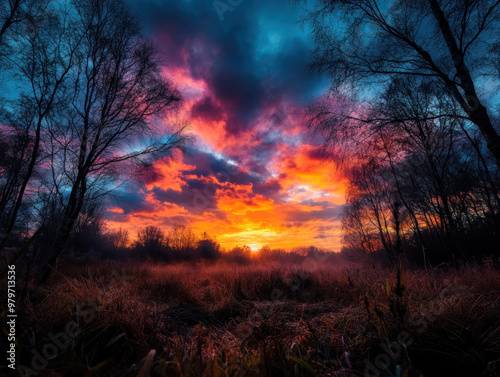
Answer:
x=225 y=320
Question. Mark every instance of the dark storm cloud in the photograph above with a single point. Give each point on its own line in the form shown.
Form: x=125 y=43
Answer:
x=206 y=165
x=317 y=153
x=268 y=141
x=258 y=167
x=270 y=189
x=133 y=200
x=331 y=213
x=190 y=198
x=207 y=109
x=250 y=60
x=198 y=193
x=291 y=79
x=314 y=203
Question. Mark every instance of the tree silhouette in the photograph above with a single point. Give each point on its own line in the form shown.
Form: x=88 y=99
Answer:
x=93 y=105
x=118 y=93
x=150 y=238
x=362 y=44
x=43 y=62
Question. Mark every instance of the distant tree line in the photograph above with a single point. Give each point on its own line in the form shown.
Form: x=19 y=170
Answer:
x=412 y=121
x=83 y=106
x=181 y=244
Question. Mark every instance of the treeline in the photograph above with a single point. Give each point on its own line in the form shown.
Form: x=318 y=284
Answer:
x=181 y=244
x=431 y=173
x=83 y=107
x=412 y=121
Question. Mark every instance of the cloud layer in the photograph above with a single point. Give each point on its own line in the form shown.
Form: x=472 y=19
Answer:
x=254 y=176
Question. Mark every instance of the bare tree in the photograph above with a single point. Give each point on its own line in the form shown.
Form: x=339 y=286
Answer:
x=46 y=56
x=120 y=238
x=117 y=111
x=13 y=13
x=430 y=164
x=370 y=198
x=362 y=44
x=150 y=238
x=208 y=248
x=181 y=239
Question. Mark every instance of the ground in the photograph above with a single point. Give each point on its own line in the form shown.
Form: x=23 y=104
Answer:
x=124 y=319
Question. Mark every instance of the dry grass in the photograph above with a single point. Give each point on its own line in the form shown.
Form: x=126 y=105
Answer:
x=226 y=320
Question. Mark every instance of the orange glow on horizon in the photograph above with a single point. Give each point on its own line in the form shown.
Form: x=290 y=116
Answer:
x=288 y=198
x=242 y=217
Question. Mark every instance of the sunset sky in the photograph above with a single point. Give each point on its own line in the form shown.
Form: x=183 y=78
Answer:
x=254 y=175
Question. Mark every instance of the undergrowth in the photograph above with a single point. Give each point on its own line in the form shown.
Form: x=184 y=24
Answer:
x=160 y=320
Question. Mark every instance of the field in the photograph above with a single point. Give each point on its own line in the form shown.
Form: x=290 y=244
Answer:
x=113 y=319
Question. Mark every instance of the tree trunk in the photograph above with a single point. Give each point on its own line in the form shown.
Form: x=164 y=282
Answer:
x=71 y=214
x=27 y=177
x=478 y=114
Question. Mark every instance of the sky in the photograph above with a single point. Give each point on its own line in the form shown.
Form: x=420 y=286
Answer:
x=254 y=175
